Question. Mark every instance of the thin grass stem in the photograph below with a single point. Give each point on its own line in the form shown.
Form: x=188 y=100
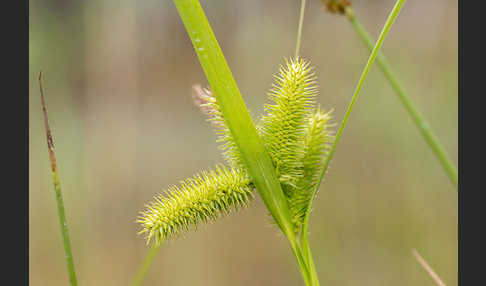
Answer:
x=314 y=278
x=145 y=266
x=407 y=102
x=236 y=115
x=253 y=152
x=57 y=190
x=302 y=262
x=306 y=255
x=391 y=18
x=299 y=31
x=427 y=268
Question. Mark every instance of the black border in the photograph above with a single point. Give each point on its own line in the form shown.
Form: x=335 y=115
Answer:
x=470 y=115
x=15 y=135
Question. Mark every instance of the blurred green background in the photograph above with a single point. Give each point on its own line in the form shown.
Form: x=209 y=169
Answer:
x=118 y=77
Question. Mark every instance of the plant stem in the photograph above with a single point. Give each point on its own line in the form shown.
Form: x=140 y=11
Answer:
x=307 y=255
x=57 y=189
x=374 y=52
x=236 y=115
x=255 y=157
x=427 y=268
x=299 y=31
x=302 y=262
x=407 y=102
x=144 y=267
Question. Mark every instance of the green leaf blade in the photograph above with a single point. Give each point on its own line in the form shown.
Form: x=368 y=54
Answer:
x=236 y=115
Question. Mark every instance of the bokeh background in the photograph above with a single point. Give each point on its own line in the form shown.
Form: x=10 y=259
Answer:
x=118 y=77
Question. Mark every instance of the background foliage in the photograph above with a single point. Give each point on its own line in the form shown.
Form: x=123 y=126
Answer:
x=118 y=77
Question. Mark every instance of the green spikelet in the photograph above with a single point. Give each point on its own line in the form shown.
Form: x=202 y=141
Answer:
x=204 y=197
x=207 y=103
x=317 y=143
x=283 y=125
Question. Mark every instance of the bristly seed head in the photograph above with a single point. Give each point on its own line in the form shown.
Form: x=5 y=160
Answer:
x=283 y=125
x=317 y=143
x=204 y=197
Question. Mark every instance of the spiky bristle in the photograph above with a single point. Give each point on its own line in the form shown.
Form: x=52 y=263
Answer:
x=207 y=103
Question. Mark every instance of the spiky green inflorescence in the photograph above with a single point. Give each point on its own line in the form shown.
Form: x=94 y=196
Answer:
x=283 y=124
x=204 y=197
x=296 y=137
x=317 y=142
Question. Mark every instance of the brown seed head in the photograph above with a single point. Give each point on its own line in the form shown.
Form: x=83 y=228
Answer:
x=336 y=6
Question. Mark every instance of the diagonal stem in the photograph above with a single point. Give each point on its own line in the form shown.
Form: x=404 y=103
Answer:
x=145 y=266
x=254 y=155
x=374 y=53
x=427 y=268
x=253 y=152
x=407 y=102
x=57 y=190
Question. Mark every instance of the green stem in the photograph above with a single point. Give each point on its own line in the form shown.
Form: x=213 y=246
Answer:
x=306 y=255
x=299 y=31
x=255 y=157
x=374 y=52
x=236 y=115
x=302 y=262
x=64 y=229
x=57 y=190
x=310 y=263
x=417 y=117
x=144 y=267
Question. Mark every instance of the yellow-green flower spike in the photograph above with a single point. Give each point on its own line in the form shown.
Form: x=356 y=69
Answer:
x=317 y=143
x=204 y=197
x=283 y=125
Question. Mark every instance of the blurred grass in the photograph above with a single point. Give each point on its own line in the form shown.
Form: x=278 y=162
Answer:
x=118 y=76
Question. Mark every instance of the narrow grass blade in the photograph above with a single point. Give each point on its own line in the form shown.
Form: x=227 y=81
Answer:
x=418 y=118
x=235 y=113
x=57 y=189
x=255 y=157
x=391 y=18
x=427 y=268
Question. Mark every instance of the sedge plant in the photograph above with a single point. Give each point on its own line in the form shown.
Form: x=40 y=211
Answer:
x=297 y=136
x=283 y=157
